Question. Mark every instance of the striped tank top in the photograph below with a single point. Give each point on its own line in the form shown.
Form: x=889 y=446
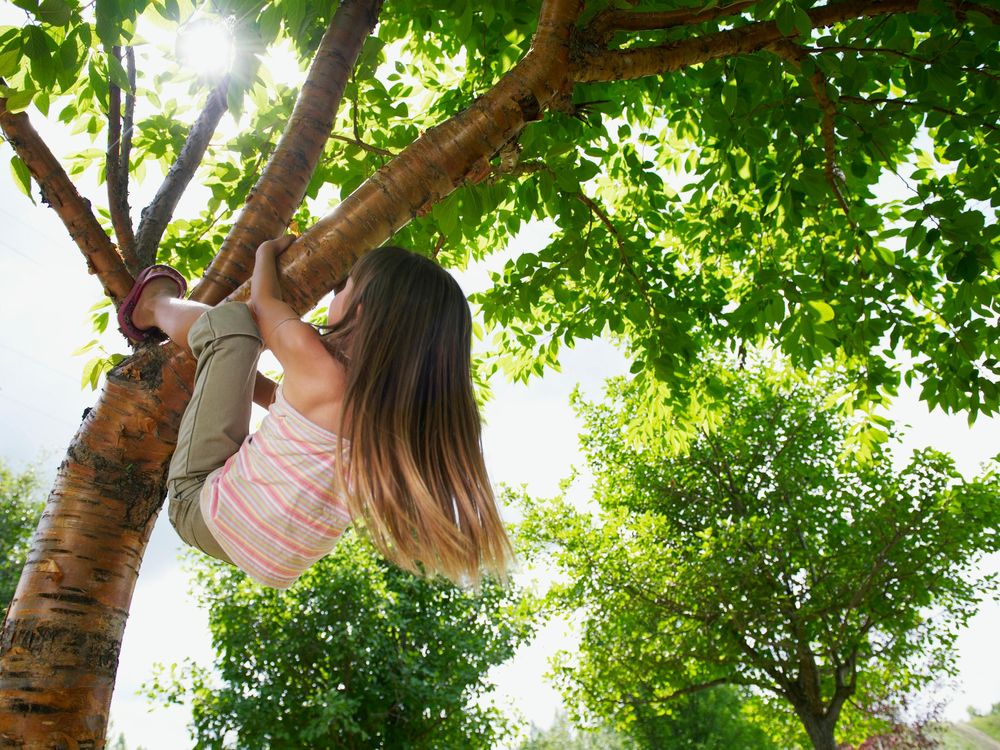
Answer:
x=275 y=506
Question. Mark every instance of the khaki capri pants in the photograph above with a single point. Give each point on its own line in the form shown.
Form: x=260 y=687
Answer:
x=226 y=343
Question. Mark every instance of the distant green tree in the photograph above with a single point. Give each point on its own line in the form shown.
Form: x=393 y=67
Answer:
x=562 y=735
x=20 y=509
x=758 y=555
x=357 y=654
x=707 y=720
x=711 y=720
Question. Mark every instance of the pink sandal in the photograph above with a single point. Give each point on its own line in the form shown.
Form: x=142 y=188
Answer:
x=125 y=325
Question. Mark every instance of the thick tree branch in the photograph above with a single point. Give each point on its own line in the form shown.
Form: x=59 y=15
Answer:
x=282 y=185
x=158 y=213
x=59 y=192
x=117 y=178
x=595 y=64
x=607 y=22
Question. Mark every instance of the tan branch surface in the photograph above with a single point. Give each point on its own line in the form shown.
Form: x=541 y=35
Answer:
x=59 y=192
x=609 y=65
x=282 y=185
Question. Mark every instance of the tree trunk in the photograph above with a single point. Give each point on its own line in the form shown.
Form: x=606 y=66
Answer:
x=820 y=731
x=62 y=634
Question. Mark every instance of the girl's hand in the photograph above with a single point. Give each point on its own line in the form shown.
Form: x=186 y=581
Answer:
x=276 y=246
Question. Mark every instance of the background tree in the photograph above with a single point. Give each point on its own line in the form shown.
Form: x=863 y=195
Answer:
x=779 y=117
x=359 y=655
x=710 y=720
x=20 y=508
x=760 y=556
x=562 y=735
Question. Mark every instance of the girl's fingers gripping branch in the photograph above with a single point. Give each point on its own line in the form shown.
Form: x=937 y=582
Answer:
x=278 y=245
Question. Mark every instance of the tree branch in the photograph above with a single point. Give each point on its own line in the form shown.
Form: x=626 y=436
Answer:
x=117 y=178
x=794 y=54
x=59 y=192
x=158 y=213
x=363 y=146
x=282 y=185
x=912 y=103
x=607 y=22
x=599 y=64
x=128 y=124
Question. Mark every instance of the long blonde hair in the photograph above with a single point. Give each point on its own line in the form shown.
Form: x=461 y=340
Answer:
x=417 y=476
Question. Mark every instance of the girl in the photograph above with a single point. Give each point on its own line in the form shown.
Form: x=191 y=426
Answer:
x=375 y=421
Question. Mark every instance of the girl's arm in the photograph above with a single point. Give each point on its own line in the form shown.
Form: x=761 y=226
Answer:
x=296 y=345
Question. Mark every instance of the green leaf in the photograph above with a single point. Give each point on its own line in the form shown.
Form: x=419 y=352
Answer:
x=826 y=313
x=118 y=75
x=22 y=176
x=9 y=61
x=785 y=18
x=18 y=101
x=803 y=24
x=55 y=12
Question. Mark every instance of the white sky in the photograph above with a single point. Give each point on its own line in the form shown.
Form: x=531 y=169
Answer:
x=530 y=438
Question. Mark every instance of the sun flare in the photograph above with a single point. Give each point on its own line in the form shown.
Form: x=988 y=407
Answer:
x=206 y=46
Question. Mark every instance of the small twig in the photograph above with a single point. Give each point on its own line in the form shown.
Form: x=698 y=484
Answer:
x=911 y=103
x=597 y=211
x=794 y=54
x=363 y=146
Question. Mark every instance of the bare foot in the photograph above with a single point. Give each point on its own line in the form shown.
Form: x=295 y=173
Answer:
x=144 y=314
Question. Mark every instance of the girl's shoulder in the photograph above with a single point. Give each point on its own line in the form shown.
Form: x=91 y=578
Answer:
x=317 y=391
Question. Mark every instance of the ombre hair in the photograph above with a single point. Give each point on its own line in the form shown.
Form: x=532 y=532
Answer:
x=417 y=478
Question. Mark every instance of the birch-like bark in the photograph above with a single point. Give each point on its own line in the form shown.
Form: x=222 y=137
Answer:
x=282 y=185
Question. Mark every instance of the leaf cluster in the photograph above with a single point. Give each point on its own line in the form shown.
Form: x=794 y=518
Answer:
x=357 y=654
x=20 y=509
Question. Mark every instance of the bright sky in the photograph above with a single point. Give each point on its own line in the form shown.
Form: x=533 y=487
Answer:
x=530 y=439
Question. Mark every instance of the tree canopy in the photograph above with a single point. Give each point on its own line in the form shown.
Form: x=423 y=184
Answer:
x=358 y=654
x=820 y=180
x=761 y=556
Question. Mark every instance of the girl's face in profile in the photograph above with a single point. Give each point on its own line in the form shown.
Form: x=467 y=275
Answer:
x=338 y=307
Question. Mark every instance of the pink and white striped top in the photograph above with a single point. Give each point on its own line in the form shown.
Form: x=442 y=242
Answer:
x=276 y=506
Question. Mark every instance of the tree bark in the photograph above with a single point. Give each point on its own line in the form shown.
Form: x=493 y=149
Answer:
x=282 y=186
x=612 y=65
x=820 y=731
x=158 y=213
x=62 y=634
